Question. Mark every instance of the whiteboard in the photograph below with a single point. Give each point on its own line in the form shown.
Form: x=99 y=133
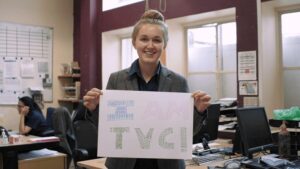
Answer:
x=25 y=61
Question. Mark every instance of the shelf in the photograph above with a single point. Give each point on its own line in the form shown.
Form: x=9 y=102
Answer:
x=69 y=87
x=69 y=76
x=76 y=68
x=73 y=100
x=289 y=124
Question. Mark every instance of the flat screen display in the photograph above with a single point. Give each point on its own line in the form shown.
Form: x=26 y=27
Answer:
x=254 y=130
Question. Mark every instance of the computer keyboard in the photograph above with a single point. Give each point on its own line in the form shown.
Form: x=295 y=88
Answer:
x=257 y=164
x=201 y=159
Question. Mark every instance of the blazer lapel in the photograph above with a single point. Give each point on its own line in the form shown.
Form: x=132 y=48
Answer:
x=164 y=80
x=131 y=84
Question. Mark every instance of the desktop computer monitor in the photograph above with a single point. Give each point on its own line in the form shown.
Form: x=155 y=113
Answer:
x=209 y=130
x=254 y=131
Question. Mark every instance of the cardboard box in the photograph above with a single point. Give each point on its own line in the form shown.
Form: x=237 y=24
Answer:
x=57 y=161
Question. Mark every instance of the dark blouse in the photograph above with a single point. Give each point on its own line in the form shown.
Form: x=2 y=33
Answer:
x=152 y=85
x=37 y=122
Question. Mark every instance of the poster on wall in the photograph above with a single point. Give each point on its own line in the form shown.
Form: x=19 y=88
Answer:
x=248 y=87
x=247 y=65
x=136 y=124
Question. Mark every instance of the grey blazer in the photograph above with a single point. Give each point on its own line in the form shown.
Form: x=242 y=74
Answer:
x=169 y=81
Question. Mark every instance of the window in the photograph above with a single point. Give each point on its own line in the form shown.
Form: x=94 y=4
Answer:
x=212 y=59
x=290 y=40
x=129 y=53
x=112 y=4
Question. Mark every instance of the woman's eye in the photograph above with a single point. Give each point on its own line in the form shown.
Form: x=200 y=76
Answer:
x=157 y=40
x=144 y=39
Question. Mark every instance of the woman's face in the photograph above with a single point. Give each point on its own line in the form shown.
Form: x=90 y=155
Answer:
x=149 y=43
x=20 y=106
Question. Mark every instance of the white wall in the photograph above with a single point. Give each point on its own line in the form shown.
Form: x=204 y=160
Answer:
x=57 y=14
x=111 y=52
x=270 y=73
x=176 y=52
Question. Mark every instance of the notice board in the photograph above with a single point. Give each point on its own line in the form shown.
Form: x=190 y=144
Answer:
x=25 y=61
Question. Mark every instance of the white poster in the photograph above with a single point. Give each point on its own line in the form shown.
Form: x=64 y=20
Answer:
x=138 y=124
x=247 y=65
x=27 y=69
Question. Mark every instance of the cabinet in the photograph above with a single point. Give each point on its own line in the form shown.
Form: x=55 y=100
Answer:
x=57 y=161
x=70 y=86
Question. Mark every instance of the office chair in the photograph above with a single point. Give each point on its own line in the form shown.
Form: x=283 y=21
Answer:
x=86 y=134
x=85 y=124
x=82 y=113
x=62 y=125
x=50 y=111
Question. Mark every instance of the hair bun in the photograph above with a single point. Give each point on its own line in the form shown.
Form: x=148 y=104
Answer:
x=153 y=14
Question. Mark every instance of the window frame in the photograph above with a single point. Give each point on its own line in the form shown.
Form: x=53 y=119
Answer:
x=281 y=58
x=219 y=72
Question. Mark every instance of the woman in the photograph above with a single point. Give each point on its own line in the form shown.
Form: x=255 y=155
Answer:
x=149 y=38
x=32 y=120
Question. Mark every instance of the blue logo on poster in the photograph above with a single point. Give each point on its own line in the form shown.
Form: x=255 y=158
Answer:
x=121 y=111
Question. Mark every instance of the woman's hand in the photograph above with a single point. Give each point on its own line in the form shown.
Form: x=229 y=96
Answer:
x=91 y=99
x=24 y=110
x=201 y=100
x=23 y=129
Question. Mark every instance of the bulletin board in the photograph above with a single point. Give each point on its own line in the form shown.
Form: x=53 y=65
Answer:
x=25 y=62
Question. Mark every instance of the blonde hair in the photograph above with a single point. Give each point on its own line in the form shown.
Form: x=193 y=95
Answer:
x=151 y=17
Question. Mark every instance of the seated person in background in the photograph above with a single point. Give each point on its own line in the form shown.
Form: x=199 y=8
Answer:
x=32 y=120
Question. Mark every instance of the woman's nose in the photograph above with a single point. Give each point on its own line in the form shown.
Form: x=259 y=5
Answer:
x=150 y=44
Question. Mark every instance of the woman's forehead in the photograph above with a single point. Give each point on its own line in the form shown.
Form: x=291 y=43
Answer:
x=20 y=102
x=151 y=29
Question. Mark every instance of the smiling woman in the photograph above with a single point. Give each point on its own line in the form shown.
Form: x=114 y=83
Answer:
x=149 y=38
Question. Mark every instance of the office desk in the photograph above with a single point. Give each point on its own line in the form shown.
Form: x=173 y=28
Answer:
x=10 y=151
x=93 y=164
x=99 y=163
